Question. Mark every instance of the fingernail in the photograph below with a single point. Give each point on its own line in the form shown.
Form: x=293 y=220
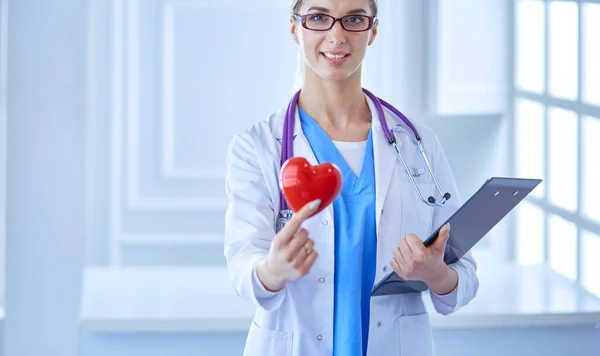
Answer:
x=315 y=204
x=448 y=227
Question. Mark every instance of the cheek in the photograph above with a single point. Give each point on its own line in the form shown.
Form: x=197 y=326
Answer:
x=310 y=45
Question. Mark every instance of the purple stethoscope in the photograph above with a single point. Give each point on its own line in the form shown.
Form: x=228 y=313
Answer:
x=285 y=213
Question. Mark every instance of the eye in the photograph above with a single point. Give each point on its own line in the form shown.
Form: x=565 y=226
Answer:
x=317 y=17
x=354 y=19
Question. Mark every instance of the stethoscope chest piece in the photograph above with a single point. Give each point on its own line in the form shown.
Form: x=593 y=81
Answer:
x=282 y=218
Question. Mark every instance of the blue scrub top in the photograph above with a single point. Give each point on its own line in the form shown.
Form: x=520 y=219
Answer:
x=355 y=242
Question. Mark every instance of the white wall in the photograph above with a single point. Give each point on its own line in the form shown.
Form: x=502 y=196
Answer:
x=45 y=176
x=472 y=50
x=3 y=138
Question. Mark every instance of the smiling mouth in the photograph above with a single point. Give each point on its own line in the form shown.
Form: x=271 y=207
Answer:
x=335 y=56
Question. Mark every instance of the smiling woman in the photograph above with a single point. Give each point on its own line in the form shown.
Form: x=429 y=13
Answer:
x=311 y=275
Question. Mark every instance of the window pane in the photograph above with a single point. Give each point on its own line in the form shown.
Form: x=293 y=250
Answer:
x=562 y=159
x=590 y=169
x=529 y=140
x=563 y=61
x=530 y=234
x=590 y=250
x=529 y=51
x=563 y=246
x=591 y=53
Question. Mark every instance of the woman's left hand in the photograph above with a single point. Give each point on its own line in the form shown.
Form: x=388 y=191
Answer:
x=415 y=261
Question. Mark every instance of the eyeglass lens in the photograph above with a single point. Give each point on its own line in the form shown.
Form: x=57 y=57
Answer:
x=349 y=23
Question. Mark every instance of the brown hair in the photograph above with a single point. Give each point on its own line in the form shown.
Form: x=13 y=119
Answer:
x=297 y=4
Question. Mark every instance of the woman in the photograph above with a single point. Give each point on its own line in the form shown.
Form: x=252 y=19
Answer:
x=311 y=281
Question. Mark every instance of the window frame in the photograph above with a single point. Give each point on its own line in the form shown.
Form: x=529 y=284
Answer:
x=577 y=106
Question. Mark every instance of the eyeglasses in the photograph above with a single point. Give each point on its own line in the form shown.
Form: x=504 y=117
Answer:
x=324 y=22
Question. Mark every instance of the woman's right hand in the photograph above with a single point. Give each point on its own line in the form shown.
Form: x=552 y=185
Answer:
x=291 y=255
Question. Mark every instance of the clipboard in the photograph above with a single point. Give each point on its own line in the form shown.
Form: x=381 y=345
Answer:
x=468 y=225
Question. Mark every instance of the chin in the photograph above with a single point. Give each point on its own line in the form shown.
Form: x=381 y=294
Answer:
x=337 y=76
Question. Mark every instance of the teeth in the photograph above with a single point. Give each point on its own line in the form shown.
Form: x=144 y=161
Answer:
x=334 y=56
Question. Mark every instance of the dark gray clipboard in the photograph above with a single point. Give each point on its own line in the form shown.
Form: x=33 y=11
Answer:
x=468 y=225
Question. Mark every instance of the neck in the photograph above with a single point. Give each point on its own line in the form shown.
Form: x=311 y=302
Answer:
x=338 y=104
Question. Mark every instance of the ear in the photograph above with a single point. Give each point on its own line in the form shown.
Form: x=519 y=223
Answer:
x=373 y=32
x=293 y=27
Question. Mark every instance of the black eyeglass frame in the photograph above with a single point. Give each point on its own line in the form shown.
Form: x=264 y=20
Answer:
x=302 y=19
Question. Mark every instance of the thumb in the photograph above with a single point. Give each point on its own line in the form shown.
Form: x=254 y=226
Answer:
x=443 y=237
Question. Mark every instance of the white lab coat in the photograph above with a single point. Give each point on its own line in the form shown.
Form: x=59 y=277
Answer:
x=298 y=321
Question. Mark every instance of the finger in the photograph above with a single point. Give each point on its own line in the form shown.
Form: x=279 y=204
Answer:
x=407 y=252
x=302 y=253
x=293 y=225
x=396 y=267
x=308 y=262
x=416 y=246
x=296 y=242
x=443 y=236
x=398 y=253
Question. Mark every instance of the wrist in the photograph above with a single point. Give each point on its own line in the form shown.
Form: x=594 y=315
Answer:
x=444 y=281
x=267 y=277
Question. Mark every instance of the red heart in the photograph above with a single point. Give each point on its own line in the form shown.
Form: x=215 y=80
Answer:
x=302 y=183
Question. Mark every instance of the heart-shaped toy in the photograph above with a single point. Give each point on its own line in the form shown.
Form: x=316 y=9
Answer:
x=302 y=183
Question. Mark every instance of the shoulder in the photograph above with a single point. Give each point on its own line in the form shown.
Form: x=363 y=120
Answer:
x=257 y=144
x=262 y=130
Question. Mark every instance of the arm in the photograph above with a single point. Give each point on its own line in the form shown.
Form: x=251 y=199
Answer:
x=249 y=228
x=463 y=273
x=260 y=262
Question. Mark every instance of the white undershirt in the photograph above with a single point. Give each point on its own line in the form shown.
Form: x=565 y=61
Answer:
x=353 y=153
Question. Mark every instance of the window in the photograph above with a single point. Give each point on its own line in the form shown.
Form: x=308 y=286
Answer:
x=562 y=49
x=591 y=53
x=562 y=158
x=590 y=168
x=529 y=134
x=590 y=250
x=556 y=123
x=530 y=20
x=530 y=223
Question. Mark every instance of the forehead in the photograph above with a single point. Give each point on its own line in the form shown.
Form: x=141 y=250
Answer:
x=337 y=7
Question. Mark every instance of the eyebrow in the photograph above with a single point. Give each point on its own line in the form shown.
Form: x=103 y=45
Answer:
x=325 y=10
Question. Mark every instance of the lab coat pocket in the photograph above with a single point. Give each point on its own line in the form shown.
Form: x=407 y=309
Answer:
x=416 y=337
x=266 y=342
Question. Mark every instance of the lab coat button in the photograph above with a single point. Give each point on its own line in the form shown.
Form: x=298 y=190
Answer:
x=379 y=324
x=324 y=222
x=322 y=280
x=319 y=337
x=385 y=268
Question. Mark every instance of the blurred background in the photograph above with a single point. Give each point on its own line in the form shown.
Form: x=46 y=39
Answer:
x=115 y=116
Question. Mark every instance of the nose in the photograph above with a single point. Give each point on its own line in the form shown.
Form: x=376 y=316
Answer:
x=337 y=34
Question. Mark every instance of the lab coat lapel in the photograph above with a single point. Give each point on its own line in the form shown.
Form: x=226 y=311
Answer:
x=384 y=159
x=301 y=146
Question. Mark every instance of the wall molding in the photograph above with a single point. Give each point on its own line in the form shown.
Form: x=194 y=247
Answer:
x=169 y=168
x=116 y=101
x=120 y=20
